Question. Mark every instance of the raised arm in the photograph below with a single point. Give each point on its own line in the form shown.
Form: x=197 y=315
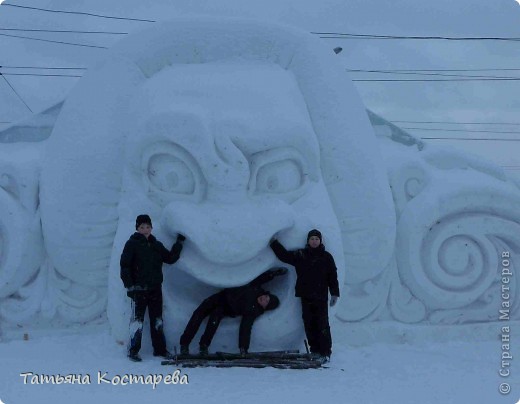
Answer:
x=282 y=254
x=170 y=257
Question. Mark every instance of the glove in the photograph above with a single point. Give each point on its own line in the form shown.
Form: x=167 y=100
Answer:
x=333 y=300
x=279 y=271
x=243 y=352
x=181 y=238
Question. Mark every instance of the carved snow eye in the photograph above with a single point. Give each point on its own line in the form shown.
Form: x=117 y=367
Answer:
x=278 y=172
x=279 y=177
x=170 y=174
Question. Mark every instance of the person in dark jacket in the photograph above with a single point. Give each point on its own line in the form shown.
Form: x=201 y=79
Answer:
x=141 y=272
x=248 y=301
x=316 y=275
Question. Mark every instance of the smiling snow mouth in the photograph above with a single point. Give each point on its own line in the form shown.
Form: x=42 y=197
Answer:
x=222 y=275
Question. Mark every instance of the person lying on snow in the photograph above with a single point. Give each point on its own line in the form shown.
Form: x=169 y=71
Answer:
x=249 y=301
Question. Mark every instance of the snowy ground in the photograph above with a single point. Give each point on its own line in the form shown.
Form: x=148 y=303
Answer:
x=454 y=372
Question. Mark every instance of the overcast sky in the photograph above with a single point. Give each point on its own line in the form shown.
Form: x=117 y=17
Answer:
x=445 y=101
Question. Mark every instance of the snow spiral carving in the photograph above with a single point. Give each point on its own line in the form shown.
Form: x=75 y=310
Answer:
x=449 y=244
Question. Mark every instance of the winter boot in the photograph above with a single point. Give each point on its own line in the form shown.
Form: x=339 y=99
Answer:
x=315 y=355
x=165 y=354
x=134 y=356
x=323 y=359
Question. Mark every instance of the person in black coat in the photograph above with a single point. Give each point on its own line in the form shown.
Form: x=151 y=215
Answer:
x=141 y=273
x=248 y=301
x=316 y=275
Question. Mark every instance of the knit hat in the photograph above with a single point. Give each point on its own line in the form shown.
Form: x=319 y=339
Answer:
x=274 y=302
x=142 y=219
x=314 y=232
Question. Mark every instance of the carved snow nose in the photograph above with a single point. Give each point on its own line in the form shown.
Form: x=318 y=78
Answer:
x=228 y=233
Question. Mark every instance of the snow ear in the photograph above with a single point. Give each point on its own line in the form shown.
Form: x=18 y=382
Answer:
x=351 y=163
x=80 y=185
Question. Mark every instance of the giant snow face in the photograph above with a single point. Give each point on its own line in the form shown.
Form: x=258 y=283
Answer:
x=226 y=155
x=228 y=132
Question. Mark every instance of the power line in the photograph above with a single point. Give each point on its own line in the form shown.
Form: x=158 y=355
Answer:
x=40 y=74
x=464 y=78
x=43 y=68
x=351 y=70
x=78 y=13
x=358 y=80
x=459 y=123
x=12 y=88
x=339 y=35
x=63 y=31
x=462 y=130
x=426 y=74
x=58 y=42
x=446 y=70
x=423 y=80
x=469 y=138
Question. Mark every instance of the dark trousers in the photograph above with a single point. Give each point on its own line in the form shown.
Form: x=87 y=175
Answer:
x=151 y=299
x=214 y=307
x=315 y=314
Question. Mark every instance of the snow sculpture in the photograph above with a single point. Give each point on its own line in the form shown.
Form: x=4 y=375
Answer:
x=229 y=132
x=457 y=233
x=215 y=129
